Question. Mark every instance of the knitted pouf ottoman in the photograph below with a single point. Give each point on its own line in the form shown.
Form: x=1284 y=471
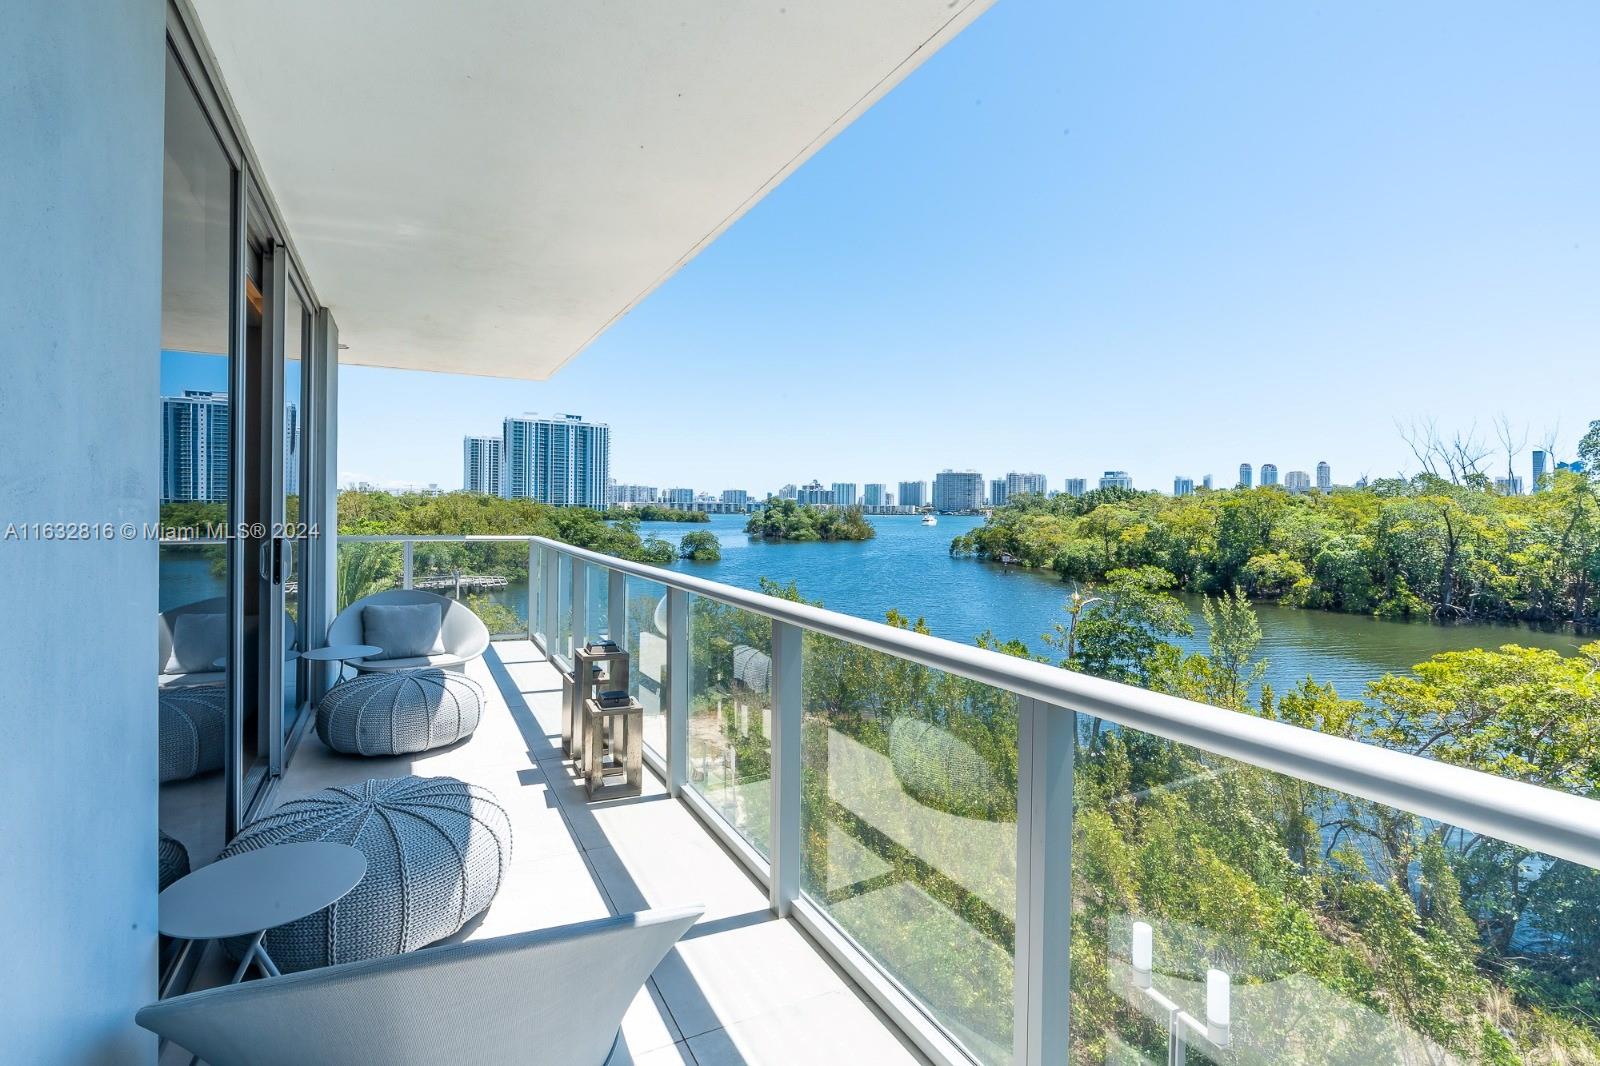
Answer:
x=172 y=860
x=193 y=727
x=437 y=849
x=399 y=713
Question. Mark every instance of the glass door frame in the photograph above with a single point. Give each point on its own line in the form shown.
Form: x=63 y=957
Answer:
x=260 y=551
x=309 y=576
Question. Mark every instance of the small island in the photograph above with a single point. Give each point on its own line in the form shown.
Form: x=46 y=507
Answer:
x=700 y=547
x=790 y=520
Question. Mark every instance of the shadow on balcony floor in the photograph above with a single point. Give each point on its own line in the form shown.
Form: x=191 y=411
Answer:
x=742 y=986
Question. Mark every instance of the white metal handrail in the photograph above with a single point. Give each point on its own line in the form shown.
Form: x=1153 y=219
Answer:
x=1540 y=819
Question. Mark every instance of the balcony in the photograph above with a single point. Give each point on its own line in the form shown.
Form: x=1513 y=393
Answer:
x=914 y=850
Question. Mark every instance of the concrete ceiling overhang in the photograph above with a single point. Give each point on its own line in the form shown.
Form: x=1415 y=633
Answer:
x=484 y=186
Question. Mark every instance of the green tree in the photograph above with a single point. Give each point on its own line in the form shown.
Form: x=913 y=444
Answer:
x=1235 y=633
x=700 y=547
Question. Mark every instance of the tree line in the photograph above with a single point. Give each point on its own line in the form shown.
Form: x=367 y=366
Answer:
x=1419 y=547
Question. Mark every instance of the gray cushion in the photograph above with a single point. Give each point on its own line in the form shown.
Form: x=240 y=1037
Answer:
x=198 y=641
x=437 y=850
x=400 y=713
x=193 y=729
x=416 y=662
x=403 y=630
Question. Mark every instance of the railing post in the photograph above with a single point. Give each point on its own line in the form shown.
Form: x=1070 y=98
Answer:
x=580 y=604
x=783 y=885
x=617 y=607
x=1044 y=881
x=533 y=583
x=677 y=689
x=405 y=573
x=550 y=587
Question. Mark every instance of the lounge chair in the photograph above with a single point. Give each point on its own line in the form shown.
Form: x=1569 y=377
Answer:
x=551 y=997
x=462 y=636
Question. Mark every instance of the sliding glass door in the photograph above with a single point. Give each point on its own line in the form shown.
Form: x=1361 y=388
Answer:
x=237 y=457
x=198 y=627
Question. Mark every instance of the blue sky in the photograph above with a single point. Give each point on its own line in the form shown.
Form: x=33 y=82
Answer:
x=1158 y=237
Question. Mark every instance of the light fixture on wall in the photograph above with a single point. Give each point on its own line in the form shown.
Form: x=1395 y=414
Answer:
x=1215 y=1030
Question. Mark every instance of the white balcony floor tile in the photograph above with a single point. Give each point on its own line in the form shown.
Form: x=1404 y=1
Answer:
x=832 y=1028
x=742 y=987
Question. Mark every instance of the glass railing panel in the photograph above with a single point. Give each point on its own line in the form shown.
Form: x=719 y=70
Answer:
x=490 y=577
x=365 y=568
x=599 y=597
x=908 y=829
x=729 y=745
x=563 y=647
x=647 y=657
x=1349 y=932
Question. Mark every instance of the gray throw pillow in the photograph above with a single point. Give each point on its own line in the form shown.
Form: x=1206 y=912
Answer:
x=403 y=630
x=198 y=641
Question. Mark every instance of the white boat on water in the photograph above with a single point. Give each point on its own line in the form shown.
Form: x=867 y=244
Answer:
x=929 y=520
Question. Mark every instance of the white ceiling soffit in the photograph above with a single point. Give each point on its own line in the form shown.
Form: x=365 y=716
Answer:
x=483 y=186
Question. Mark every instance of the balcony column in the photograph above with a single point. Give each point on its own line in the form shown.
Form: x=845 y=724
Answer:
x=1044 y=881
x=406 y=565
x=677 y=690
x=783 y=885
x=617 y=607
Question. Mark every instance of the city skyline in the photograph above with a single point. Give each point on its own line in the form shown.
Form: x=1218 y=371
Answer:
x=1376 y=240
x=484 y=464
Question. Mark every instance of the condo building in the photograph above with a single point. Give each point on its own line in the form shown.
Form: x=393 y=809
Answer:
x=913 y=494
x=1297 y=481
x=1031 y=484
x=1269 y=474
x=1246 y=476
x=563 y=460
x=1116 y=479
x=1324 y=477
x=1076 y=486
x=194 y=447
x=633 y=495
x=815 y=495
x=958 y=490
x=482 y=462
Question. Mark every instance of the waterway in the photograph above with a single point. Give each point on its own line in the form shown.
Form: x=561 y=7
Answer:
x=908 y=567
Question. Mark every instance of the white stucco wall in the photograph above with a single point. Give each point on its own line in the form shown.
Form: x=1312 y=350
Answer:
x=81 y=85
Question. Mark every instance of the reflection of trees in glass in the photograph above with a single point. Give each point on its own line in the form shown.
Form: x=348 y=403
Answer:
x=1355 y=932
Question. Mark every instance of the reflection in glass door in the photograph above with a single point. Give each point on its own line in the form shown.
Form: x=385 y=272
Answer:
x=297 y=335
x=196 y=627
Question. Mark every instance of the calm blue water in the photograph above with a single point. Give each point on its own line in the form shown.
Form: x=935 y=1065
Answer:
x=908 y=567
